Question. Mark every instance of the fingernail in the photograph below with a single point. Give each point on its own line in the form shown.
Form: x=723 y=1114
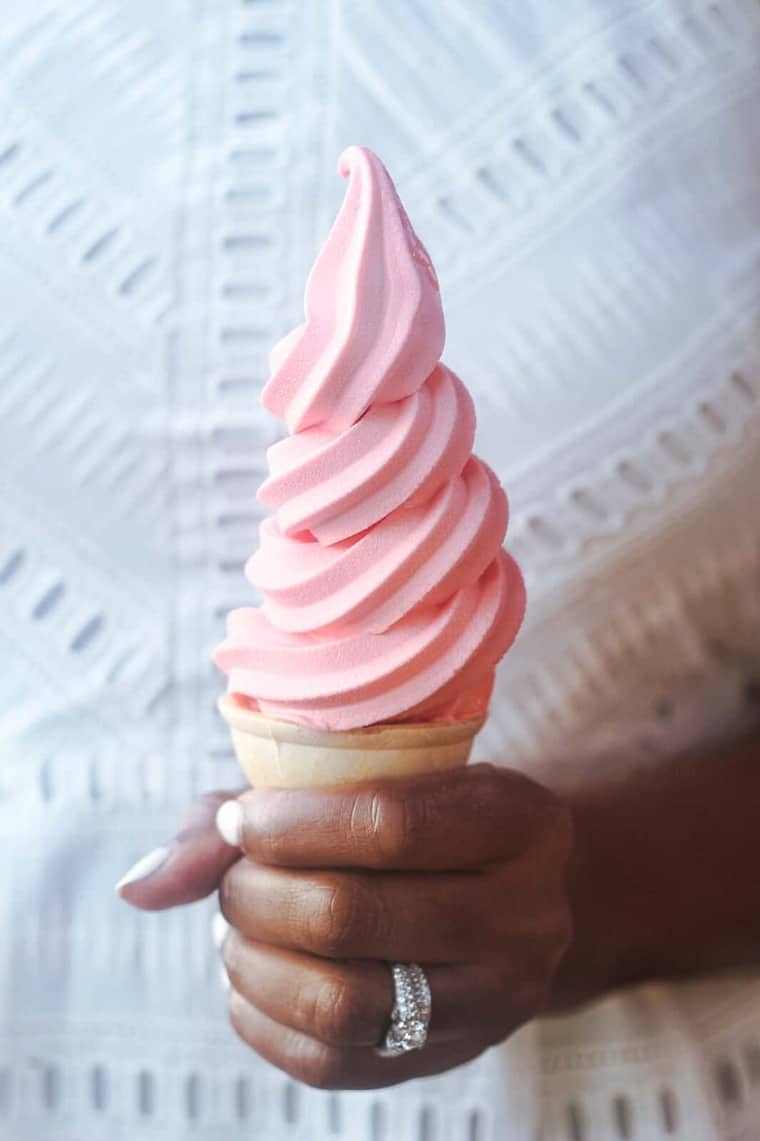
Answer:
x=144 y=868
x=219 y=929
x=229 y=823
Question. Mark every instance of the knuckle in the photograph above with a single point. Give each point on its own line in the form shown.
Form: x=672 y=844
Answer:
x=557 y=824
x=394 y=820
x=229 y=893
x=232 y=956
x=317 y=1064
x=335 y=917
x=236 y=1009
x=518 y=993
x=341 y=1016
x=271 y=845
x=493 y=780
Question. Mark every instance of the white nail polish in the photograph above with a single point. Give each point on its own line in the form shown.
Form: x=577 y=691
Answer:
x=224 y=978
x=229 y=823
x=219 y=929
x=144 y=867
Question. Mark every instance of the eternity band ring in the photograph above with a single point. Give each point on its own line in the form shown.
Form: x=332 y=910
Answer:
x=410 y=1017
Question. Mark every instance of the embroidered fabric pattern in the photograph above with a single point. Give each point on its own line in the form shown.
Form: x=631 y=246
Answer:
x=585 y=177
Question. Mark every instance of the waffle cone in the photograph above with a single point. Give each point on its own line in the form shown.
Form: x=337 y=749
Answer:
x=282 y=754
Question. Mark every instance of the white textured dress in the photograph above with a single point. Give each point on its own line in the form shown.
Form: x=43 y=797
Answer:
x=586 y=177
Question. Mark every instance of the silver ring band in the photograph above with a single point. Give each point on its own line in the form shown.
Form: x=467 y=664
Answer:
x=410 y=1017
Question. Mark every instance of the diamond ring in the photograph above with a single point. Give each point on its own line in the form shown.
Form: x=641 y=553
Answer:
x=410 y=1017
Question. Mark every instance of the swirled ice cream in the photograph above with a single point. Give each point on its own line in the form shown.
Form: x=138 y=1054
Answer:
x=387 y=595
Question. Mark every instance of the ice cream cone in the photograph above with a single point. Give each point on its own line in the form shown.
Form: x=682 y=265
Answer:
x=282 y=754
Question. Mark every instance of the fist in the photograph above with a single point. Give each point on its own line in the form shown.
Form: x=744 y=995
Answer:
x=464 y=873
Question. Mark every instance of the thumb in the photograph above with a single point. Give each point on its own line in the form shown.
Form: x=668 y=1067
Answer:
x=188 y=868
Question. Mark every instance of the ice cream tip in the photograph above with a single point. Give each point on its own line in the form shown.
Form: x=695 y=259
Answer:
x=387 y=595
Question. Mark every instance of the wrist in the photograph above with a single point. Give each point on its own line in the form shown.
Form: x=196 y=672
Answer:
x=602 y=953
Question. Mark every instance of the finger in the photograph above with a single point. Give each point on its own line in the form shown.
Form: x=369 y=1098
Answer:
x=438 y=821
x=349 y=1003
x=440 y=917
x=190 y=867
x=331 y=1067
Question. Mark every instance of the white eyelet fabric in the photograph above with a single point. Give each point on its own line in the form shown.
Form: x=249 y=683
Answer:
x=586 y=178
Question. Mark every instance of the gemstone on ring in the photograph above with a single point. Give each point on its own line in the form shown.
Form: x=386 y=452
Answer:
x=410 y=1017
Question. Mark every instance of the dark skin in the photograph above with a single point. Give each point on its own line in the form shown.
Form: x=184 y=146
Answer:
x=518 y=898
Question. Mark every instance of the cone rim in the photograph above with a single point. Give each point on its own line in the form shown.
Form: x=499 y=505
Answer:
x=398 y=734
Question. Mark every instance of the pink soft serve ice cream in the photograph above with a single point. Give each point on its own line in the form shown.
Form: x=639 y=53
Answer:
x=387 y=595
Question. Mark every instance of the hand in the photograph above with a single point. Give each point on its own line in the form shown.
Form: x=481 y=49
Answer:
x=464 y=874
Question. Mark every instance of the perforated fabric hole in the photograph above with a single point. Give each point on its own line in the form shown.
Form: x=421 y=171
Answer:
x=86 y=634
x=633 y=476
x=476 y=1126
x=9 y=153
x=719 y=19
x=544 y=532
x=252 y=155
x=452 y=214
x=30 y=188
x=242 y=291
x=254 y=74
x=334 y=1113
x=426 y=1130
x=663 y=54
x=697 y=32
x=632 y=70
x=486 y=178
x=600 y=99
x=529 y=156
x=48 y=601
x=255 y=117
x=100 y=245
x=146 y=1093
x=260 y=39
x=290 y=1103
x=51 y=1087
x=237 y=482
x=576 y=1125
x=231 y=384
x=46 y=780
x=99 y=1088
x=242 y=1099
x=712 y=417
x=378 y=1122
x=12 y=566
x=136 y=276
x=674 y=448
x=743 y=386
x=59 y=220
x=622 y=1117
x=566 y=125
x=237 y=335
x=192 y=1097
x=588 y=504
x=728 y=1083
x=669 y=1111
x=246 y=243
